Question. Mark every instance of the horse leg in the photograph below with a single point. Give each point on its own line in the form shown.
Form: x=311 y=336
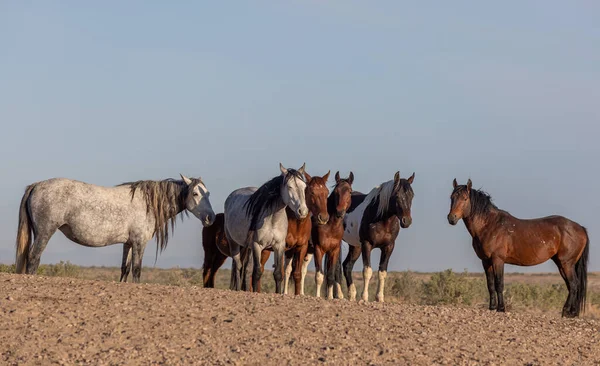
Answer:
x=318 y=269
x=136 y=260
x=305 y=263
x=351 y=258
x=236 y=266
x=338 y=293
x=298 y=262
x=386 y=254
x=569 y=275
x=498 y=267
x=489 y=276
x=218 y=260
x=39 y=244
x=367 y=271
x=125 y=262
x=289 y=255
x=331 y=264
x=279 y=249
x=264 y=257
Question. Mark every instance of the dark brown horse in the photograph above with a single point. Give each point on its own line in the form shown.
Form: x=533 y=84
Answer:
x=499 y=238
x=374 y=221
x=327 y=239
x=216 y=247
x=299 y=231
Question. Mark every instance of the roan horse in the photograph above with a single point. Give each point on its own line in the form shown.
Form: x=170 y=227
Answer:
x=373 y=221
x=216 y=247
x=327 y=239
x=96 y=216
x=499 y=238
x=255 y=218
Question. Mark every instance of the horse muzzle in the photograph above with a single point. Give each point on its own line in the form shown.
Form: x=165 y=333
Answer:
x=322 y=220
x=405 y=222
x=452 y=219
x=340 y=214
x=208 y=220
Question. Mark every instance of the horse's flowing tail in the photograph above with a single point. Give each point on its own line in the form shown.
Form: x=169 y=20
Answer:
x=581 y=271
x=24 y=232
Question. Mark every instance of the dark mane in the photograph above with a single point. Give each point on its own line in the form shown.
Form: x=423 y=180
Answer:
x=165 y=199
x=481 y=202
x=267 y=197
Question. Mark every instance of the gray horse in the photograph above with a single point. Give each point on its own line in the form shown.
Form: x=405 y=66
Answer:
x=95 y=216
x=255 y=218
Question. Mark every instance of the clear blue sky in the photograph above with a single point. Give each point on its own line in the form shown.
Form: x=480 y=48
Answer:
x=506 y=94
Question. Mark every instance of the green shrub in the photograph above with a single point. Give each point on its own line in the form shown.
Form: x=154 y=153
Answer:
x=448 y=287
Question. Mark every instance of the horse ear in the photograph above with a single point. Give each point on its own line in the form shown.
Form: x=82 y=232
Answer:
x=454 y=183
x=308 y=177
x=397 y=178
x=326 y=176
x=284 y=171
x=187 y=180
x=302 y=168
x=351 y=178
x=411 y=179
x=469 y=185
x=337 y=176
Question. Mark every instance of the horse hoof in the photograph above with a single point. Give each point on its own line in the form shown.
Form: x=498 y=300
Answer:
x=500 y=310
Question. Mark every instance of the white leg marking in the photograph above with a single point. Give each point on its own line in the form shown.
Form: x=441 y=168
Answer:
x=367 y=273
x=352 y=292
x=288 y=273
x=340 y=292
x=307 y=260
x=319 y=280
x=330 y=292
x=381 y=285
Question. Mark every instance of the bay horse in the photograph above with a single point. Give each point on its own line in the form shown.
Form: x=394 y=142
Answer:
x=327 y=239
x=374 y=221
x=255 y=218
x=216 y=250
x=499 y=238
x=299 y=231
x=96 y=216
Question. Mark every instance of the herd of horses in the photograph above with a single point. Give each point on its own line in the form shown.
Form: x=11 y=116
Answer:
x=295 y=216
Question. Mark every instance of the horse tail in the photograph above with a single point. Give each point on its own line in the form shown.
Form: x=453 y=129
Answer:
x=24 y=232
x=581 y=272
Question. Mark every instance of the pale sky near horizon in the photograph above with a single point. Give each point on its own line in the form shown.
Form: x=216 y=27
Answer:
x=505 y=94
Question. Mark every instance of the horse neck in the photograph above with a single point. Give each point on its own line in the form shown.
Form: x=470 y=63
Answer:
x=477 y=224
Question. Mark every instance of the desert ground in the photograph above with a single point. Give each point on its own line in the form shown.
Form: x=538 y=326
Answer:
x=62 y=320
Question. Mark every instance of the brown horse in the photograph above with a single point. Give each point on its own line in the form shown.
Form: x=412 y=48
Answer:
x=299 y=231
x=499 y=238
x=216 y=247
x=327 y=239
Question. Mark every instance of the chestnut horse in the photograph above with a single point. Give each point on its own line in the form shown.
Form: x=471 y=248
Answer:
x=327 y=239
x=374 y=221
x=299 y=231
x=216 y=247
x=499 y=238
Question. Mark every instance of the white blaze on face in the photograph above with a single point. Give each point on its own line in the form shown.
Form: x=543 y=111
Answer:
x=200 y=206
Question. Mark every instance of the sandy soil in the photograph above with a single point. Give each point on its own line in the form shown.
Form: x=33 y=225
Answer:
x=61 y=320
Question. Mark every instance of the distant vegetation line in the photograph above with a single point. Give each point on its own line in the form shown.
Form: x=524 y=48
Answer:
x=541 y=292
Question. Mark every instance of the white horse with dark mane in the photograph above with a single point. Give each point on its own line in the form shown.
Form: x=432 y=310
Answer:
x=255 y=218
x=95 y=216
